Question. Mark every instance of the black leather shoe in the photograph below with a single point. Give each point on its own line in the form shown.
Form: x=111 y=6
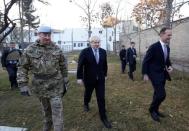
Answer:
x=155 y=116
x=106 y=123
x=86 y=108
x=160 y=114
x=130 y=76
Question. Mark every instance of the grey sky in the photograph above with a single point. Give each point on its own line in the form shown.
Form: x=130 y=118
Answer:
x=62 y=13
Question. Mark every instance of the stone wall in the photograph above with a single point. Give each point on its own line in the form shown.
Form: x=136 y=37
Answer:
x=179 y=42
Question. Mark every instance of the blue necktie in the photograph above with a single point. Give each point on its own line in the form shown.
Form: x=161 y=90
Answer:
x=165 y=52
x=96 y=55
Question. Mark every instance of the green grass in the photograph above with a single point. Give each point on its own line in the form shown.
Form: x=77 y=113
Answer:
x=127 y=104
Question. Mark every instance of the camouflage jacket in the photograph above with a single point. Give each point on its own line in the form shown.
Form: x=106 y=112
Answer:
x=48 y=68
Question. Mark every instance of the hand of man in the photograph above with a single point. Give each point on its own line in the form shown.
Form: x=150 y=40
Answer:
x=4 y=68
x=66 y=86
x=170 y=69
x=24 y=91
x=145 y=77
x=80 y=81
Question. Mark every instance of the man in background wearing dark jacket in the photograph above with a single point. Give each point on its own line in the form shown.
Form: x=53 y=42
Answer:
x=123 y=56
x=9 y=61
x=131 y=59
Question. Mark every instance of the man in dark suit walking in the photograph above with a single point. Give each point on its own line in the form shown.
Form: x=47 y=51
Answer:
x=92 y=71
x=156 y=67
x=123 y=56
x=131 y=59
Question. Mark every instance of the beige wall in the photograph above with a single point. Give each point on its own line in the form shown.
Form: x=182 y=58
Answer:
x=179 y=43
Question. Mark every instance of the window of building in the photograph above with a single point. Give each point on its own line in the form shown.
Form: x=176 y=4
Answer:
x=74 y=44
x=110 y=38
x=100 y=31
x=35 y=34
x=78 y=44
x=59 y=42
x=81 y=44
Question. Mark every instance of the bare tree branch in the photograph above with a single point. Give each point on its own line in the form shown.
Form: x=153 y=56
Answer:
x=178 y=7
x=44 y=2
x=6 y=25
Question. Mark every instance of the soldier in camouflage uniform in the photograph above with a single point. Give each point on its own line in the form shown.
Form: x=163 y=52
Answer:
x=48 y=67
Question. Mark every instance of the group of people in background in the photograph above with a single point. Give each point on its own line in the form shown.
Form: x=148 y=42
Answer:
x=156 y=67
x=48 y=67
x=128 y=56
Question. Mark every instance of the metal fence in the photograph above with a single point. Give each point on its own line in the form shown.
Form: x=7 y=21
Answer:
x=67 y=48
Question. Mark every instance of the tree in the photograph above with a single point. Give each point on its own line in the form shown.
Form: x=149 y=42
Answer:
x=108 y=20
x=173 y=11
x=149 y=12
x=115 y=26
x=106 y=13
x=88 y=8
x=168 y=12
x=156 y=12
x=7 y=24
x=15 y=34
x=30 y=20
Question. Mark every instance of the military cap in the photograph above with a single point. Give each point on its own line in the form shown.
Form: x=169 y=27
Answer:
x=44 y=29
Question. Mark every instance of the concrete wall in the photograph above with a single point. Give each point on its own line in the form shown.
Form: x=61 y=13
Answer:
x=179 y=42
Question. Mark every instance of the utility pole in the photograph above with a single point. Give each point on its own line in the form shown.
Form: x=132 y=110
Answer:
x=107 y=39
x=72 y=39
x=139 y=44
x=115 y=28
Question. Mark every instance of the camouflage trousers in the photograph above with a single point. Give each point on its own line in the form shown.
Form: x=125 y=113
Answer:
x=53 y=113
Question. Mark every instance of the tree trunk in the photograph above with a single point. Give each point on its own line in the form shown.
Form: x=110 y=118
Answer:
x=168 y=12
x=115 y=41
x=29 y=33
x=107 y=39
x=139 y=45
x=7 y=22
x=21 y=21
x=89 y=22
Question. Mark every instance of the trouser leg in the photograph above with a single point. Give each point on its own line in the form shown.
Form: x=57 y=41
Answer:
x=47 y=114
x=100 y=95
x=158 y=97
x=130 y=73
x=87 y=94
x=57 y=113
x=12 y=72
x=123 y=65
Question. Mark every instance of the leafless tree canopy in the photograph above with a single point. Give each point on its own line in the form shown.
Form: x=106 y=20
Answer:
x=7 y=24
x=156 y=12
